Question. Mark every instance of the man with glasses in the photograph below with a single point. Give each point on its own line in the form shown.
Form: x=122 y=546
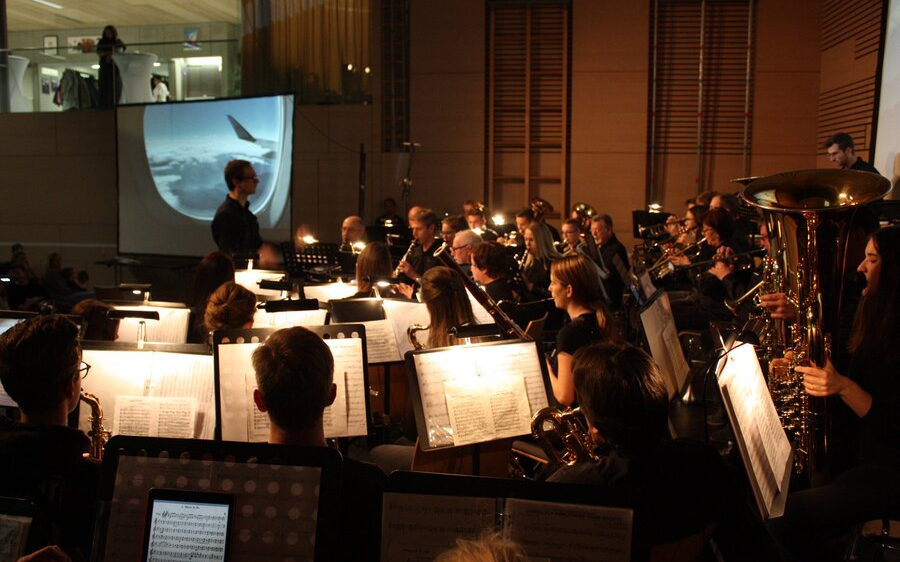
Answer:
x=462 y=249
x=234 y=228
x=41 y=370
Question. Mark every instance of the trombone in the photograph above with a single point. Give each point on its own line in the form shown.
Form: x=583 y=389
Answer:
x=656 y=269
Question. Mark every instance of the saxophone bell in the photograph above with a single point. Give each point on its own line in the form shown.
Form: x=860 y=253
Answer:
x=411 y=335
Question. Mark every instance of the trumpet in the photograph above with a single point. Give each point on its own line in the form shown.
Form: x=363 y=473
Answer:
x=654 y=230
x=657 y=270
x=741 y=261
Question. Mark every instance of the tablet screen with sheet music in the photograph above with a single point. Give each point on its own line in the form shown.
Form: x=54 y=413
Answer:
x=185 y=525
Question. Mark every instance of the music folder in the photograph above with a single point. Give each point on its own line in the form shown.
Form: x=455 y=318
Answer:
x=477 y=393
x=661 y=334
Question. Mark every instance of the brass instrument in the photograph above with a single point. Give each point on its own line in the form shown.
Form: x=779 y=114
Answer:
x=663 y=266
x=584 y=213
x=742 y=261
x=572 y=429
x=98 y=435
x=654 y=230
x=540 y=207
x=734 y=304
x=813 y=243
x=411 y=335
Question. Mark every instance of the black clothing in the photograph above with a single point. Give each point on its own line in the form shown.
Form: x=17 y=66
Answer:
x=580 y=332
x=423 y=260
x=488 y=234
x=499 y=290
x=396 y=220
x=16 y=294
x=362 y=485
x=235 y=229
x=538 y=275
x=44 y=464
x=863 y=166
x=110 y=79
x=615 y=257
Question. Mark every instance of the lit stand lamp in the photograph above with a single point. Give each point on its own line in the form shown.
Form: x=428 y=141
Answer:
x=143 y=315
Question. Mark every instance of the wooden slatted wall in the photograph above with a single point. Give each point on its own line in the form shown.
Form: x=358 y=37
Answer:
x=701 y=54
x=850 y=105
x=395 y=75
x=528 y=102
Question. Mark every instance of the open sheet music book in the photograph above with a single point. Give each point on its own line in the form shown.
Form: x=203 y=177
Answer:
x=242 y=421
x=418 y=527
x=476 y=393
x=764 y=447
x=151 y=393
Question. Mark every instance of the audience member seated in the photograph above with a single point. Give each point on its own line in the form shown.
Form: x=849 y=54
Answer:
x=230 y=307
x=97 y=325
x=43 y=460
x=213 y=270
x=23 y=291
x=295 y=379
x=61 y=287
x=490 y=268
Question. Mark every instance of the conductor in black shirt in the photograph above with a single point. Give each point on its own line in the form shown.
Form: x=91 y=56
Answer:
x=234 y=228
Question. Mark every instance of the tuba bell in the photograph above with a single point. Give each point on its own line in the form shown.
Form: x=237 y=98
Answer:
x=814 y=242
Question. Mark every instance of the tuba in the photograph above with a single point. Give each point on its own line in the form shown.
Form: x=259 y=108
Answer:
x=814 y=244
x=571 y=427
x=98 y=435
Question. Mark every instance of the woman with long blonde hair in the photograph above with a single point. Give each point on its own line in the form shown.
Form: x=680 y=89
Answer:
x=540 y=252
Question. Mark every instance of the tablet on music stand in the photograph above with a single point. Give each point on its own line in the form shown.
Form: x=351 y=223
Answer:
x=184 y=525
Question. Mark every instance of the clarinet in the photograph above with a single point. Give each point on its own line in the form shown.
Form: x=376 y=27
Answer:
x=510 y=329
x=406 y=255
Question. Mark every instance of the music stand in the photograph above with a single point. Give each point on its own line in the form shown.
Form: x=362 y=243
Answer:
x=295 y=491
x=319 y=258
x=356 y=310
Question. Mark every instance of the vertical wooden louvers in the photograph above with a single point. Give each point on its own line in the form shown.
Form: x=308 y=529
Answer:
x=395 y=74
x=701 y=61
x=850 y=105
x=528 y=103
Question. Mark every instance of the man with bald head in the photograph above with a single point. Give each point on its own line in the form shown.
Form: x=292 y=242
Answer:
x=352 y=230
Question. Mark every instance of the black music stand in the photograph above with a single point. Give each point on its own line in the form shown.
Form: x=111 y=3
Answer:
x=251 y=469
x=356 y=310
x=320 y=259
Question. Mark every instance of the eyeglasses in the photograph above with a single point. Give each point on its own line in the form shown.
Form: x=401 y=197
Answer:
x=84 y=370
x=250 y=178
x=458 y=248
x=446 y=233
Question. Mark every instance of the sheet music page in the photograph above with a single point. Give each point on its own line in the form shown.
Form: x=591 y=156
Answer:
x=484 y=408
x=416 y=527
x=114 y=373
x=6 y=400
x=187 y=531
x=404 y=314
x=434 y=370
x=155 y=417
x=13 y=535
x=184 y=375
x=348 y=367
x=172 y=326
x=329 y=291
x=275 y=506
x=753 y=403
x=381 y=342
x=482 y=316
x=236 y=374
x=287 y=319
x=568 y=532
x=520 y=359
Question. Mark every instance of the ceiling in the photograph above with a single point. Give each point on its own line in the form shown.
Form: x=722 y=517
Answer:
x=26 y=15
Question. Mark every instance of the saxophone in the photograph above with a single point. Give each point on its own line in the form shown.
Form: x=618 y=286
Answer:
x=411 y=335
x=97 y=434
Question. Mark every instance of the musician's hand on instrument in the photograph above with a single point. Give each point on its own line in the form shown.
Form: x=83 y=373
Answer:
x=407 y=269
x=721 y=270
x=822 y=382
x=779 y=306
x=408 y=291
x=680 y=260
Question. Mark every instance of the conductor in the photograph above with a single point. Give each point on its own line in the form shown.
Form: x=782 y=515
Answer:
x=234 y=228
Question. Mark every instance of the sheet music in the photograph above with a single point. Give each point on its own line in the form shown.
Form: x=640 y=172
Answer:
x=434 y=370
x=155 y=417
x=275 y=506
x=172 y=326
x=662 y=337
x=6 y=400
x=185 y=375
x=404 y=314
x=568 y=532
x=263 y=319
x=187 y=531
x=767 y=445
x=350 y=371
x=242 y=421
x=416 y=527
x=114 y=373
x=13 y=535
x=329 y=291
x=482 y=316
x=381 y=342
x=485 y=408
